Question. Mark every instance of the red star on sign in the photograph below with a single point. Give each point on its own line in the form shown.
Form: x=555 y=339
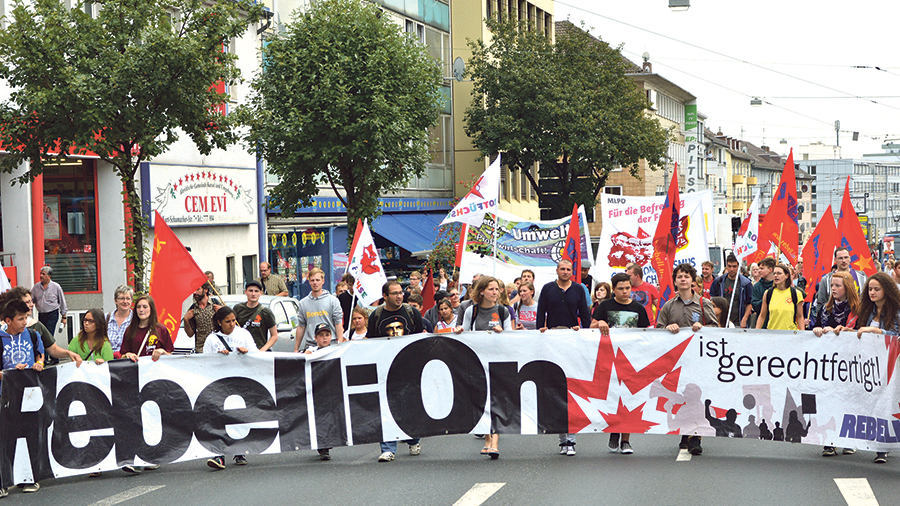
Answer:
x=598 y=386
x=897 y=415
x=627 y=421
x=476 y=190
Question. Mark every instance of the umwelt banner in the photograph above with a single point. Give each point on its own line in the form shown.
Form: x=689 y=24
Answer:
x=773 y=385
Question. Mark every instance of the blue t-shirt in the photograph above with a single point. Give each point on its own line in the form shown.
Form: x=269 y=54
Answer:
x=18 y=349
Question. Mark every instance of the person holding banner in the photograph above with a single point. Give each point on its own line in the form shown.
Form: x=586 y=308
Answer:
x=92 y=342
x=879 y=313
x=623 y=312
x=782 y=305
x=226 y=338
x=839 y=313
x=145 y=337
x=558 y=306
x=487 y=313
x=842 y=261
x=691 y=311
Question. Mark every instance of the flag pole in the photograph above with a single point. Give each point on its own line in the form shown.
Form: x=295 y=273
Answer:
x=778 y=246
x=495 y=245
x=737 y=286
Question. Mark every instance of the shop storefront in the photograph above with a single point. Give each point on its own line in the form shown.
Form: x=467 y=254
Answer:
x=317 y=237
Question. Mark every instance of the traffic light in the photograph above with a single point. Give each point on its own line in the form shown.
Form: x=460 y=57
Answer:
x=735 y=223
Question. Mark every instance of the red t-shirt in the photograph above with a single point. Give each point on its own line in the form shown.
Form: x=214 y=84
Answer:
x=158 y=339
x=648 y=296
x=706 y=285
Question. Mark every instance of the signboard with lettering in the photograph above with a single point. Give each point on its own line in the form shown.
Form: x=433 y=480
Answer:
x=191 y=196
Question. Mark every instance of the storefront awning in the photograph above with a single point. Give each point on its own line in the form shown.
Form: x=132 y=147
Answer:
x=414 y=232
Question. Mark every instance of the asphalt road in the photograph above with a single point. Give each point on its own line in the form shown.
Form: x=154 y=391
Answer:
x=529 y=472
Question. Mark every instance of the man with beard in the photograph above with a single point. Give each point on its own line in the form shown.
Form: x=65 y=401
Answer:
x=198 y=320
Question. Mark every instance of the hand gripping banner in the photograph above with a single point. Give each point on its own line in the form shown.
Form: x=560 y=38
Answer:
x=776 y=385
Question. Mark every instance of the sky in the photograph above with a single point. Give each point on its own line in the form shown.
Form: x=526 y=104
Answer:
x=798 y=56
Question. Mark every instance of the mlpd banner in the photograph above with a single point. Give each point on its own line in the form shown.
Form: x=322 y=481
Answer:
x=774 y=385
x=629 y=224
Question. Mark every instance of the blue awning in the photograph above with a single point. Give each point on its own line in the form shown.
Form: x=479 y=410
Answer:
x=414 y=232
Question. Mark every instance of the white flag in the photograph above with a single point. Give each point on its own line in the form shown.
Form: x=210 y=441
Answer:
x=365 y=266
x=482 y=198
x=746 y=243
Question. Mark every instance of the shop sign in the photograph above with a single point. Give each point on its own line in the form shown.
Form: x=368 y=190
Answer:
x=187 y=196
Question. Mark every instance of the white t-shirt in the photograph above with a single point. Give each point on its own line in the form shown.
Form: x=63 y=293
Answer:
x=356 y=337
x=443 y=326
x=239 y=338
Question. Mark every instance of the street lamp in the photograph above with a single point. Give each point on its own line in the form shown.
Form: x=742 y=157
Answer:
x=679 y=5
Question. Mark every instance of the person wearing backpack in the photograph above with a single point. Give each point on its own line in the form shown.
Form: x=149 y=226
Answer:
x=782 y=307
x=394 y=318
x=20 y=348
x=487 y=313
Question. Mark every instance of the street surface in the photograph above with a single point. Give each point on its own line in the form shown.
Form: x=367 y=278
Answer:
x=529 y=472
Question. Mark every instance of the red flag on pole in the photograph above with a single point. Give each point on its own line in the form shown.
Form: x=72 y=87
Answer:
x=428 y=292
x=818 y=253
x=173 y=275
x=852 y=236
x=572 y=249
x=461 y=244
x=665 y=240
x=780 y=226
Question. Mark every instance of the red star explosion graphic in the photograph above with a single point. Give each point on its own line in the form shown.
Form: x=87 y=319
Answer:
x=476 y=190
x=627 y=421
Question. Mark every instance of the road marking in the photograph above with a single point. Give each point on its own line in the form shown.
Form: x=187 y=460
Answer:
x=683 y=456
x=128 y=494
x=856 y=491
x=479 y=493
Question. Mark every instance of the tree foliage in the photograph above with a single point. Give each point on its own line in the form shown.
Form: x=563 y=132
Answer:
x=567 y=105
x=123 y=84
x=345 y=100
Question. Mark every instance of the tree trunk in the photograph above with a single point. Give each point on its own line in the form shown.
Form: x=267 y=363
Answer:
x=135 y=251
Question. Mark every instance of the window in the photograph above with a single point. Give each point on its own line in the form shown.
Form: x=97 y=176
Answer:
x=534 y=175
x=503 y=178
x=615 y=190
x=514 y=184
x=70 y=225
x=812 y=170
x=525 y=185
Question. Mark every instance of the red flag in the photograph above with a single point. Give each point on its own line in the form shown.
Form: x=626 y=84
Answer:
x=780 y=226
x=665 y=240
x=572 y=249
x=818 y=253
x=852 y=236
x=428 y=292
x=461 y=245
x=174 y=275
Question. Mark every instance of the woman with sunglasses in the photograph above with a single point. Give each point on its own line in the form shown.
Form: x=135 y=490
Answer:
x=93 y=343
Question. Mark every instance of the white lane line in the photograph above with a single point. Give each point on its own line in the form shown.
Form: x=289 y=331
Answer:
x=856 y=491
x=128 y=494
x=683 y=456
x=479 y=493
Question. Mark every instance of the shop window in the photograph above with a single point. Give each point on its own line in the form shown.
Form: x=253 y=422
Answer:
x=70 y=225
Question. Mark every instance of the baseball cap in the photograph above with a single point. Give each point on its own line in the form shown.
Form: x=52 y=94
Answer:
x=322 y=326
x=254 y=283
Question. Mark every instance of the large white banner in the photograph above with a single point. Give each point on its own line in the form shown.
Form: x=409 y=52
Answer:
x=521 y=244
x=630 y=222
x=779 y=386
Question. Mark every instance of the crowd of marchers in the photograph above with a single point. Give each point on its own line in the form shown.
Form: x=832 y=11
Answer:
x=764 y=295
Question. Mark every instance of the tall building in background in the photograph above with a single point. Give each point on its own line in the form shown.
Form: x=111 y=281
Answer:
x=467 y=18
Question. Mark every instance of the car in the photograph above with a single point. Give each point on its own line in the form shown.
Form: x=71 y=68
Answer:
x=287 y=317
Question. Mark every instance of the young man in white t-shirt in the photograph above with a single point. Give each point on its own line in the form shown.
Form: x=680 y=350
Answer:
x=228 y=337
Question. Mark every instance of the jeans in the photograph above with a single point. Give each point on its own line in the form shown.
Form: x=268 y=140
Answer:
x=50 y=320
x=391 y=446
x=567 y=439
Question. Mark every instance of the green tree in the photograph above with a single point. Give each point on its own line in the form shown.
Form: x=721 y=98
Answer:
x=344 y=99
x=123 y=84
x=568 y=106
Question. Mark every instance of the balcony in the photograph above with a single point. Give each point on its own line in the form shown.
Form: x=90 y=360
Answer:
x=738 y=179
x=752 y=180
x=739 y=206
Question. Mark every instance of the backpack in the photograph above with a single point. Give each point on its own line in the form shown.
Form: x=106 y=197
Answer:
x=34 y=339
x=410 y=316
